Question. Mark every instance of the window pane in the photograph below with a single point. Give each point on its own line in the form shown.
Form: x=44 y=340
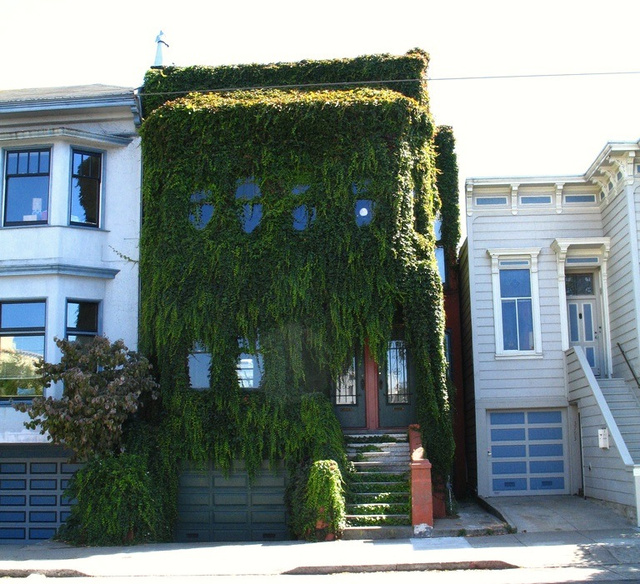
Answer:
x=201 y=210
x=397 y=383
x=19 y=356
x=525 y=325
x=302 y=218
x=82 y=316
x=22 y=315
x=509 y=325
x=574 y=334
x=26 y=198
x=442 y=270
x=12 y=163
x=249 y=371
x=347 y=385
x=44 y=162
x=85 y=197
x=199 y=367
x=85 y=192
x=364 y=212
x=515 y=283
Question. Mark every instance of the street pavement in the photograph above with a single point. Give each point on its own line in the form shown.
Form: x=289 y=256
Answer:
x=563 y=537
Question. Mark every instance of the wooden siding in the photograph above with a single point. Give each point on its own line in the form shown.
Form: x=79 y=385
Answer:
x=622 y=306
x=467 y=357
x=606 y=476
x=510 y=379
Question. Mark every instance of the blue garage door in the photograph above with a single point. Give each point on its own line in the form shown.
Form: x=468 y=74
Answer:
x=32 y=501
x=528 y=452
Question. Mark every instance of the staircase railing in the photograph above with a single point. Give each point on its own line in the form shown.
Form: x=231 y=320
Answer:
x=635 y=376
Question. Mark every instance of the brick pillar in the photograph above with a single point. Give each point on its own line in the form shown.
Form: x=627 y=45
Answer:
x=421 y=488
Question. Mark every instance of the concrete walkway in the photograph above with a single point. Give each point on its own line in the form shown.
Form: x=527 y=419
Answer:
x=598 y=546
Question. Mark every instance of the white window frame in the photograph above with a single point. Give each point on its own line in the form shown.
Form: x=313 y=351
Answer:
x=504 y=259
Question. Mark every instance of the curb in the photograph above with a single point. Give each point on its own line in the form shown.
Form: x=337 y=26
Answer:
x=415 y=567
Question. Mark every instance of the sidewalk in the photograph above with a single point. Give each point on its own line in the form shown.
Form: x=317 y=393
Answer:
x=537 y=549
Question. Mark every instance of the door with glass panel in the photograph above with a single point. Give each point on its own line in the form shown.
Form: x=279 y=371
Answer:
x=397 y=400
x=349 y=396
x=372 y=397
x=583 y=315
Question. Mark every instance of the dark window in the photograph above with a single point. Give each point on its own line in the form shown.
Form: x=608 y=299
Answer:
x=579 y=284
x=82 y=321
x=22 y=337
x=86 y=176
x=27 y=187
x=397 y=378
x=348 y=382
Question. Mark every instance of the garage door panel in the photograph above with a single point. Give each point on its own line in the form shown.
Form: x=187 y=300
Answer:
x=32 y=504
x=233 y=508
x=528 y=452
x=510 y=484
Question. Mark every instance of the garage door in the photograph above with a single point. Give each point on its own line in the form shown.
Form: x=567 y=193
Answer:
x=215 y=507
x=32 y=503
x=528 y=452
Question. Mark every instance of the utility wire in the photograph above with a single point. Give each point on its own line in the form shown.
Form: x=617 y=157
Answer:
x=390 y=81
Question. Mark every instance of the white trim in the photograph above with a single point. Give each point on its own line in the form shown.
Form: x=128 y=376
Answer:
x=587 y=246
x=531 y=255
x=51 y=133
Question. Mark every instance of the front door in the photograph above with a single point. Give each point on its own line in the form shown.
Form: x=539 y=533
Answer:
x=584 y=323
x=368 y=397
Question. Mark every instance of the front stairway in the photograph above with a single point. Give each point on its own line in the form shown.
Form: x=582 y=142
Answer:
x=625 y=408
x=378 y=493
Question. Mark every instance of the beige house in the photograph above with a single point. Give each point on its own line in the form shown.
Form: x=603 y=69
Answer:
x=550 y=280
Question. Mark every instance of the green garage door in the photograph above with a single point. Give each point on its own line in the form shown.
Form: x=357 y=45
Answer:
x=215 y=507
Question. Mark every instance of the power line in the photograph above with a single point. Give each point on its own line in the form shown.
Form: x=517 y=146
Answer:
x=532 y=76
x=392 y=81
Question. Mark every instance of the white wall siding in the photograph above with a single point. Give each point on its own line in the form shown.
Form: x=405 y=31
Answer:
x=623 y=317
x=606 y=474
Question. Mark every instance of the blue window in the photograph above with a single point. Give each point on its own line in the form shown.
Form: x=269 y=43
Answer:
x=27 y=187
x=251 y=211
x=22 y=338
x=249 y=367
x=517 y=313
x=303 y=215
x=364 y=212
x=200 y=210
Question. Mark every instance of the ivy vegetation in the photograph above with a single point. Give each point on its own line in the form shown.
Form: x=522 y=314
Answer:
x=250 y=232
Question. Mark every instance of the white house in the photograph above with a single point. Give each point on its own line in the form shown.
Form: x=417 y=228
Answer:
x=69 y=228
x=550 y=280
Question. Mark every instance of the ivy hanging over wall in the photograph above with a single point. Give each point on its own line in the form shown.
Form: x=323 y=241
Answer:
x=252 y=230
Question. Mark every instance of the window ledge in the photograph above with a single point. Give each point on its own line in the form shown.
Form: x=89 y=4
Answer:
x=518 y=355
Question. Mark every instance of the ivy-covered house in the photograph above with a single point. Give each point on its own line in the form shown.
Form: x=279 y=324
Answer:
x=289 y=264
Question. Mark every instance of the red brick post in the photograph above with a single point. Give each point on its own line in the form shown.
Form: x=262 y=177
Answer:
x=421 y=488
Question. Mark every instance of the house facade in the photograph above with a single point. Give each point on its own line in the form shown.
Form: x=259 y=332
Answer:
x=550 y=295
x=69 y=227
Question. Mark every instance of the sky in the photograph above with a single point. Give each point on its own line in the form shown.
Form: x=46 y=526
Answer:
x=503 y=127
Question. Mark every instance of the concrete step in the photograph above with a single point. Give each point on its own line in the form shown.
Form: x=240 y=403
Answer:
x=378 y=532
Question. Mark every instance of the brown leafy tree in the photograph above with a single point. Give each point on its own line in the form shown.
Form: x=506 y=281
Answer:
x=103 y=383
